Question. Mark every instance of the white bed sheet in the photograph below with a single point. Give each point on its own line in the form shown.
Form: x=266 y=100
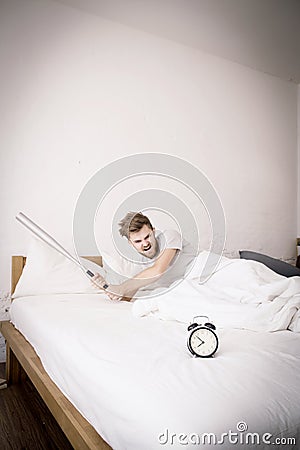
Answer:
x=134 y=379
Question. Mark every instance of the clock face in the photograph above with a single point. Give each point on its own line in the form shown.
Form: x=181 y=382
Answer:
x=203 y=342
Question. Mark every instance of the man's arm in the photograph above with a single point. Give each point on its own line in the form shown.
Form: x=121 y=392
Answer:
x=128 y=288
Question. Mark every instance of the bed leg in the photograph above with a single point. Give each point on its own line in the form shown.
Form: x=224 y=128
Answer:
x=13 y=367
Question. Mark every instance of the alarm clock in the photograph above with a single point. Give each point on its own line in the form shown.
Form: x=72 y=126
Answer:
x=202 y=340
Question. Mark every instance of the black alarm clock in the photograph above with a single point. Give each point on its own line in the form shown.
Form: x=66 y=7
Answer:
x=202 y=340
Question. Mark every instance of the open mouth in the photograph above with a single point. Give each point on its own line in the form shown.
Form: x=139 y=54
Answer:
x=146 y=249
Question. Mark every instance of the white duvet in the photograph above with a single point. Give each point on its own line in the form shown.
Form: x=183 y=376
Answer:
x=239 y=294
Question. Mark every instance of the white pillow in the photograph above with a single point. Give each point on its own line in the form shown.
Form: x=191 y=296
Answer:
x=116 y=266
x=48 y=272
x=196 y=269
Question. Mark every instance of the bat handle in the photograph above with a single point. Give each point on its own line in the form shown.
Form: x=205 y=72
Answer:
x=104 y=287
x=90 y=274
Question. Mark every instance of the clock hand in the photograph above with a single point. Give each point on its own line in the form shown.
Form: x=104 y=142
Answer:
x=202 y=342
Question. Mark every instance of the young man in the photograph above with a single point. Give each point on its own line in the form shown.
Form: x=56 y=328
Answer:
x=165 y=257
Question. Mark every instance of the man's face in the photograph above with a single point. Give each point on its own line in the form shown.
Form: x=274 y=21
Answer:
x=144 y=241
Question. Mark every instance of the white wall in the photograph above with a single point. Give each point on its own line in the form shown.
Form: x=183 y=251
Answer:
x=298 y=200
x=263 y=35
x=78 y=92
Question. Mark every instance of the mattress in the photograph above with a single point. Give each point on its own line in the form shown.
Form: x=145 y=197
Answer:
x=134 y=380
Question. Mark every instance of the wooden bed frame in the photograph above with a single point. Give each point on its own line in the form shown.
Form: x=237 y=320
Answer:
x=21 y=357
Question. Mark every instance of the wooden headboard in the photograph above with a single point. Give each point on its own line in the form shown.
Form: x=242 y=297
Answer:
x=18 y=263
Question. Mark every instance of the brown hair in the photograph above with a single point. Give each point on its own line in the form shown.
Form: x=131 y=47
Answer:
x=132 y=222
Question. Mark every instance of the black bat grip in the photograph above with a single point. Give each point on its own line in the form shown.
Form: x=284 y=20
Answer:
x=90 y=273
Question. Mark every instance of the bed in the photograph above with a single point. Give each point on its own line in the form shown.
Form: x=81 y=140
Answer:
x=129 y=382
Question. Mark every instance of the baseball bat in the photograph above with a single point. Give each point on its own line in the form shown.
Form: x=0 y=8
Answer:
x=45 y=237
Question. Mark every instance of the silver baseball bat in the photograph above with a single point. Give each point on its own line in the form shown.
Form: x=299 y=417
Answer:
x=45 y=237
